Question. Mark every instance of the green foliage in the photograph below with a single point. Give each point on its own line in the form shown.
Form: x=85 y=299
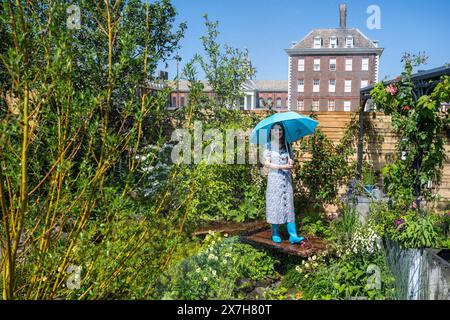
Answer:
x=343 y=227
x=70 y=136
x=214 y=272
x=418 y=233
x=330 y=166
x=226 y=191
x=317 y=227
x=347 y=277
x=225 y=71
x=420 y=126
x=411 y=228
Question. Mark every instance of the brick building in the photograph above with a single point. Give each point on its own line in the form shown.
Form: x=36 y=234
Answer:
x=258 y=94
x=328 y=67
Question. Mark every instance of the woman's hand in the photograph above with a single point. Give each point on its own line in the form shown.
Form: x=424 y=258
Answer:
x=287 y=166
x=291 y=162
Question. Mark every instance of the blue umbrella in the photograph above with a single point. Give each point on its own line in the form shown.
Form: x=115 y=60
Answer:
x=296 y=126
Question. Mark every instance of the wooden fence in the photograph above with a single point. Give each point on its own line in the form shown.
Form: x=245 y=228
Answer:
x=381 y=146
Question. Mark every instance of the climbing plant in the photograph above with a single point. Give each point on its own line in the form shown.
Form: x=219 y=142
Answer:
x=420 y=125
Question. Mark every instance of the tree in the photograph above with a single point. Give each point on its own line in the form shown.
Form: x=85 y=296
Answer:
x=72 y=113
x=226 y=71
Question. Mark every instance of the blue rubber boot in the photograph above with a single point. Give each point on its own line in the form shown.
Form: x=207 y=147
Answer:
x=275 y=233
x=293 y=237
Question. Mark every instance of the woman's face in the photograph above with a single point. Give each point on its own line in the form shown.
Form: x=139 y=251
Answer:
x=276 y=132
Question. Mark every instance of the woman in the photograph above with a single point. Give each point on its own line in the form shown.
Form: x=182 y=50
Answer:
x=279 y=194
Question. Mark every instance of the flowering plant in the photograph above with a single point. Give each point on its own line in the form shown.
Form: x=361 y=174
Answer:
x=365 y=240
x=418 y=120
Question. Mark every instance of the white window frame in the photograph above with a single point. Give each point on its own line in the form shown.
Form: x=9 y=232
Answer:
x=317 y=43
x=315 y=105
x=174 y=102
x=332 y=87
x=333 y=42
x=262 y=102
x=332 y=62
x=301 y=64
x=347 y=105
x=364 y=83
x=300 y=105
x=316 y=66
x=316 y=87
x=348 y=86
x=331 y=105
x=300 y=87
x=365 y=64
x=348 y=64
x=279 y=103
x=349 y=42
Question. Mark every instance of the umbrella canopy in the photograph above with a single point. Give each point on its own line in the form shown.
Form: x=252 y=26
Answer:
x=296 y=126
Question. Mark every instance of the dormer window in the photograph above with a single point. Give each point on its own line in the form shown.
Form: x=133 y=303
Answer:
x=317 y=42
x=333 y=42
x=349 y=42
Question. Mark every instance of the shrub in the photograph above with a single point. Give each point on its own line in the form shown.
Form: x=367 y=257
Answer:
x=214 y=272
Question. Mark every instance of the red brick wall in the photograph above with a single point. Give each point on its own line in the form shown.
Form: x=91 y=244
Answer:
x=261 y=94
x=324 y=75
x=274 y=95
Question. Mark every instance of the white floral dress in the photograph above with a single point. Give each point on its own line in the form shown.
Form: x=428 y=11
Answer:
x=279 y=193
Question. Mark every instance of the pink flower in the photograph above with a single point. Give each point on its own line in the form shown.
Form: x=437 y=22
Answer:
x=399 y=222
x=391 y=89
x=397 y=79
x=406 y=108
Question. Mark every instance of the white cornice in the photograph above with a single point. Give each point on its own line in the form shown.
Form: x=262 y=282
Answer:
x=334 y=51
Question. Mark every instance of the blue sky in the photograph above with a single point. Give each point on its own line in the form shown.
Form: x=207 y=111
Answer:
x=267 y=27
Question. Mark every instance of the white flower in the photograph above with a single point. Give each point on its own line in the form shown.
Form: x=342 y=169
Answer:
x=205 y=278
x=198 y=270
x=228 y=254
x=298 y=269
x=214 y=272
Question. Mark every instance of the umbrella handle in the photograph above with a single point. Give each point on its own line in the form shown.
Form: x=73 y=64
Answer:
x=285 y=144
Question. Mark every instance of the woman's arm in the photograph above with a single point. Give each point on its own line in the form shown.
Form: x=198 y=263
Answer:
x=277 y=166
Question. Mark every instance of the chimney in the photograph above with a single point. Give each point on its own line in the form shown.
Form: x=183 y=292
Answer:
x=342 y=15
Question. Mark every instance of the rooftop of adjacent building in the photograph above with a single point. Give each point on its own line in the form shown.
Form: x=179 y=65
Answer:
x=335 y=39
x=341 y=34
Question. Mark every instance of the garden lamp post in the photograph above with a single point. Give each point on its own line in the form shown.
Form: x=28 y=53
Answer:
x=178 y=59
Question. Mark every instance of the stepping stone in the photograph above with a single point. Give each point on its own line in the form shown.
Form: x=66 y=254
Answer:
x=232 y=228
x=309 y=247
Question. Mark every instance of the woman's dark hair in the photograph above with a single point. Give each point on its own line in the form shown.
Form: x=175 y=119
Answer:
x=282 y=138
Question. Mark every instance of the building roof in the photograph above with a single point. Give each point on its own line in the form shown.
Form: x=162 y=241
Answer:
x=361 y=43
x=183 y=85
x=271 y=85
x=359 y=39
